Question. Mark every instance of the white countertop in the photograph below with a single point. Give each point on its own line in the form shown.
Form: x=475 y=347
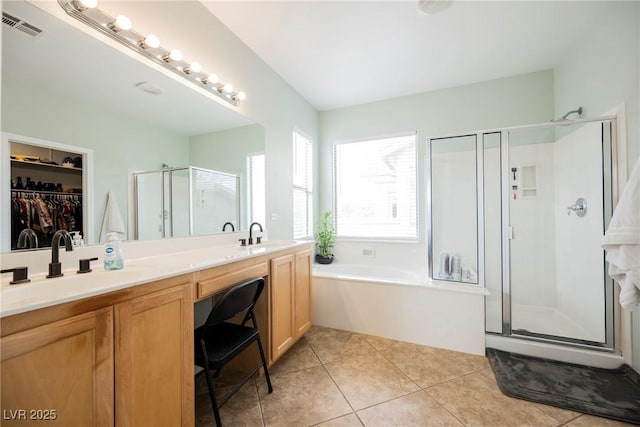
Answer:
x=42 y=292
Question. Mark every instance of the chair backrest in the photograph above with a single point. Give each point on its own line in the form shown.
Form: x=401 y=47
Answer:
x=237 y=300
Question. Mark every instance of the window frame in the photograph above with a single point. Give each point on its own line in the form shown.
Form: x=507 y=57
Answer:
x=308 y=190
x=416 y=162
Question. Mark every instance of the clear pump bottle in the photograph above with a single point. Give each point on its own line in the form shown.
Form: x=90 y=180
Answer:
x=113 y=259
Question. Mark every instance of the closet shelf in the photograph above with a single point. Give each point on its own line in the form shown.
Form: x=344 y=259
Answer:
x=41 y=166
x=58 y=193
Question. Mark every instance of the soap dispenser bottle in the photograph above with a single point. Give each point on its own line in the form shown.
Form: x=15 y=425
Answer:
x=113 y=259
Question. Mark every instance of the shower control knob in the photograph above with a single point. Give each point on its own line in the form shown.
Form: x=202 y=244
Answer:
x=579 y=207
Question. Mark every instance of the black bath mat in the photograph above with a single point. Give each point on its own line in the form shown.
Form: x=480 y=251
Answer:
x=611 y=393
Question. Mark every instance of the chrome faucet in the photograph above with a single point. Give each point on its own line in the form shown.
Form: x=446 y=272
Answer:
x=29 y=234
x=55 y=266
x=224 y=227
x=251 y=233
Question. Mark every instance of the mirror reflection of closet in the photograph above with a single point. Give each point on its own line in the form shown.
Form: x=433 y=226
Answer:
x=47 y=189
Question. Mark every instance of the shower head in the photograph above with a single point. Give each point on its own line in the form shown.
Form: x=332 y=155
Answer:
x=579 y=111
x=564 y=118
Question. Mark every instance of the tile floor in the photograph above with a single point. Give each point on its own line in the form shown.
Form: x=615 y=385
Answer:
x=337 y=378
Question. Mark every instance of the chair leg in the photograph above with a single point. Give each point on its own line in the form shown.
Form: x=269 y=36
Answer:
x=212 y=395
x=216 y=374
x=264 y=365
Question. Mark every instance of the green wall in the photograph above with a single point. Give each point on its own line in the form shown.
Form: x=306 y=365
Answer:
x=497 y=103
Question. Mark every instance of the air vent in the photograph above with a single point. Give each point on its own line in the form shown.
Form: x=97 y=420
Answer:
x=20 y=25
x=11 y=21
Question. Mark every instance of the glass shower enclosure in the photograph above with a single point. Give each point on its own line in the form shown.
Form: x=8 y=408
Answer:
x=189 y=201
x=522 y=212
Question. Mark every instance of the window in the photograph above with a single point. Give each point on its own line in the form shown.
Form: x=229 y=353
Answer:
x=257 y=194
x=302 y=187
x=375 y=188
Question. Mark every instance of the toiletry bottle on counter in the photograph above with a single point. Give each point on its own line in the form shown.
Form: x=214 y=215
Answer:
x=113 y=259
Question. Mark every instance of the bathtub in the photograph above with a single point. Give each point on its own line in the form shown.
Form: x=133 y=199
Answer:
x=399 y=304
x=370 y=273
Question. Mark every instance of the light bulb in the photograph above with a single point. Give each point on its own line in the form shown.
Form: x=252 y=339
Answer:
x=227 y=88
x=211 y=79
x=121 y=23
x=150 y=41
x=241 y=96
x=195 y=67
x=174 y=55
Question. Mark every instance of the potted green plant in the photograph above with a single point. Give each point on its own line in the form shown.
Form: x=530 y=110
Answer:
x=325 y=239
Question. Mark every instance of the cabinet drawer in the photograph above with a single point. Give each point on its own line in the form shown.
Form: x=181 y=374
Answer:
x=215 y=279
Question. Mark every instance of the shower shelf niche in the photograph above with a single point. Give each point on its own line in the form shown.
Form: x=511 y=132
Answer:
x=529 y=182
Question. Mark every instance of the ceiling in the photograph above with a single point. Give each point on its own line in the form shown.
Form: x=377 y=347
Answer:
x=339 y=53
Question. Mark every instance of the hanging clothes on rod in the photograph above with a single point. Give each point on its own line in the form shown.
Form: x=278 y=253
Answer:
x=45 y=213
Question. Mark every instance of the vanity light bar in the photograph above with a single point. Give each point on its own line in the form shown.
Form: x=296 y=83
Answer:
x=120 y=29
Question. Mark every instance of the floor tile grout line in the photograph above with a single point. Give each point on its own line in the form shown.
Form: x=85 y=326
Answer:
x=322 y=364
x=425 y=389
x=255 y=385
x=304 y=337
x=447 y=380
x=342 y=394
x=292 y=371
x=560 y=422
x=378 y=403
x=444 y=407
x=336 y=384
x=333 y=419
x=571 y=420
x=392 y=399
x=473 y=370
x=394 y=364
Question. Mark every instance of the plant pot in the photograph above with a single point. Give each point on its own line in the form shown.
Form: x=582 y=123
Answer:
x=323 y=259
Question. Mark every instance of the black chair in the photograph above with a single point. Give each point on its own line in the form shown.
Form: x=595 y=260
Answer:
x=217 y=342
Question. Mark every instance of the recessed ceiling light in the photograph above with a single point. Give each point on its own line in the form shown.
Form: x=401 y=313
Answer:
x=429 y=7
x=149 y=88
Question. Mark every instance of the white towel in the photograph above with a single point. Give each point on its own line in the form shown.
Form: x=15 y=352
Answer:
x=622 y=242
x=112 y=221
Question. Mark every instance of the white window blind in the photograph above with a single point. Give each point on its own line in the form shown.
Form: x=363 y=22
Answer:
x=375 y=188
x=302 y=187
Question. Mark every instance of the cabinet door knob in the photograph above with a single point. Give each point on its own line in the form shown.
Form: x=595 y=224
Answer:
x=20 y=274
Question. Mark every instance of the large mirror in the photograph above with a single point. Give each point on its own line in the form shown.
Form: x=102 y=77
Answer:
x=65 y=86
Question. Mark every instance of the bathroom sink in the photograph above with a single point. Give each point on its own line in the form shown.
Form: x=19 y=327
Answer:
x=42 y=292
